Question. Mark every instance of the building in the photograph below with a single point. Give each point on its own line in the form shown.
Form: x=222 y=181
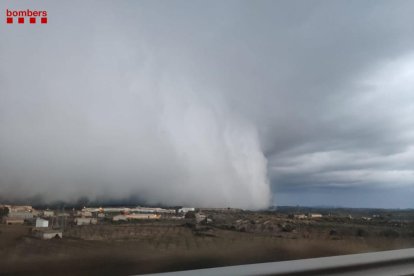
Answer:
x=314 y=215
x=135 y=217
x=12 y=220
x=85 y=214
x=120 y=218
x=85 y=221
x=220 y=210
x=40 y=223
x=48 y=213
x=47 y=234
x=17 y=208
x=200 y=217
x=143 y=216
x=299 y=216
x=36 y=213
x=124 y=210
x=63 y=214
x=186 y=209
x=114 y=210
x=151 y=210
x=21 y=214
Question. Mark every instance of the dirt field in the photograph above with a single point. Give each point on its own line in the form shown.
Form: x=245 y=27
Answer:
x=146 y=247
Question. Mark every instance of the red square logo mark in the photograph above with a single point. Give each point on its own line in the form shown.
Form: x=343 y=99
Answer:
x=20 y=20
x=32 y=20
x=9 y=20
x=43 y=20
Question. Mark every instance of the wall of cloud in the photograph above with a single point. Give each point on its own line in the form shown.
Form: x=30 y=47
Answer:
x=233 y=103
x=100 y=109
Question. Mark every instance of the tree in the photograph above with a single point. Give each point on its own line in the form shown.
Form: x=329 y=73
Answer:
x=4 y=211
x=190 y=215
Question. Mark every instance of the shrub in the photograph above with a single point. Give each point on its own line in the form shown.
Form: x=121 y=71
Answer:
x=190 y=215
x=361 y=232
x=390 y=233
x=333 y=232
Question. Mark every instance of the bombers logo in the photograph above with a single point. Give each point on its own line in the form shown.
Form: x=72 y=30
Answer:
x=20 y=16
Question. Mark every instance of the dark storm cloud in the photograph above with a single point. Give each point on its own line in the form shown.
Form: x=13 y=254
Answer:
x=208 y=103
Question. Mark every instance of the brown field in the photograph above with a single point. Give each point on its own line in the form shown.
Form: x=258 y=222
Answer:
x=146 y=247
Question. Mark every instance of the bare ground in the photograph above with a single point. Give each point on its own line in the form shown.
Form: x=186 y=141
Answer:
x=156 y=247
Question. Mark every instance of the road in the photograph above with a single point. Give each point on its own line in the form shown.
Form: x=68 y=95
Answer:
x=393 y=262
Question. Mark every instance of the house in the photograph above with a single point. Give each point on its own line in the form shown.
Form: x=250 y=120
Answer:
x=48 y=213
x=200 y=217
x=47 y=234
x=36 y=213
x=85 y=221
x=299 y=216
x=40 y=223
x=86 y=214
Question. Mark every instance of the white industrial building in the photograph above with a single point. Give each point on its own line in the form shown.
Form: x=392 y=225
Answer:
x=41 y=223
x=135 y=216
x=314 y=215
x=152 y=210
x=186 y=210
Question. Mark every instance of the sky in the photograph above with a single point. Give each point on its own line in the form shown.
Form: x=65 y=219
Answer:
x=241 y=104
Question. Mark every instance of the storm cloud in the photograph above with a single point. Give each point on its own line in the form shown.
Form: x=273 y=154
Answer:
x=235 y=103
